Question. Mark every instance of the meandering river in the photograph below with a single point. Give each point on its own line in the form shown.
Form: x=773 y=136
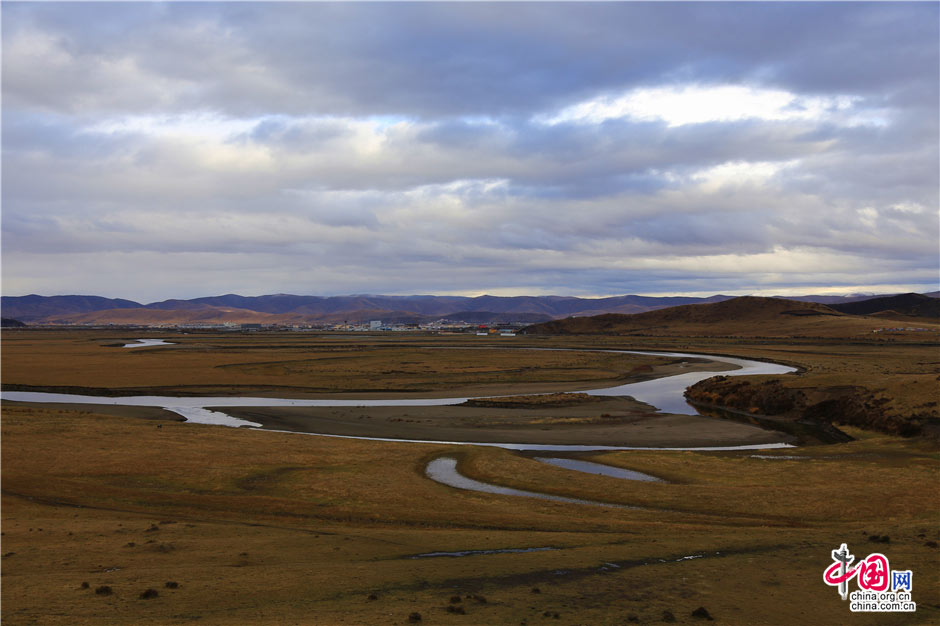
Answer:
x=666 y=394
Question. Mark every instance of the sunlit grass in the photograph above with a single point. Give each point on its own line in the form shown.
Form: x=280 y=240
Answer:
x=273 y=528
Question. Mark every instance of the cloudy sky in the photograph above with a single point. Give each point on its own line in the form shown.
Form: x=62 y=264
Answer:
x=157 y=150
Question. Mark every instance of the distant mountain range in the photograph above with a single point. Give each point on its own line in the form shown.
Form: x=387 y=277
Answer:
x=294 y=309
x=286 y=308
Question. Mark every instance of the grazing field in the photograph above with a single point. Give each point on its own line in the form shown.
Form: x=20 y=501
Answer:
x=297 y=364
x=262 y=527
x=236 y=526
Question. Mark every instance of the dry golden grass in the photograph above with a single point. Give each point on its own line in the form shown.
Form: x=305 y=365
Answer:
x=293 y=363
x=269 y=528
x=276 y=528
x=904 y=375
x=901 y=370
x=738 y=488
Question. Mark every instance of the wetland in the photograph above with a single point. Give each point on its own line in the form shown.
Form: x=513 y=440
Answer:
x=256 y=526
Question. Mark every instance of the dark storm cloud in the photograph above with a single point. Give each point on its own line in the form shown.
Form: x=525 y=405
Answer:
x=469 y=146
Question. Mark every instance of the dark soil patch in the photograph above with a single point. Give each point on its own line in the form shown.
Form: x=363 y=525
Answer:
x=534 y=401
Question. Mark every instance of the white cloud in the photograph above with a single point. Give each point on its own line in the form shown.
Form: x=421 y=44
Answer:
x=737 y=173
x=204 y=126
x=867 y=216
x=909 y=207
x=421 y=158
x=697 y=104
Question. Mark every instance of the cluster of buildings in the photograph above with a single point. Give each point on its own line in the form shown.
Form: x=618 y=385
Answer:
x=443 y=325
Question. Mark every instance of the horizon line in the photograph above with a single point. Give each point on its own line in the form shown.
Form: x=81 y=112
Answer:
x=824 y=292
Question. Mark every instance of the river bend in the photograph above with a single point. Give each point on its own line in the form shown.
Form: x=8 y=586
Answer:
x=666 y=394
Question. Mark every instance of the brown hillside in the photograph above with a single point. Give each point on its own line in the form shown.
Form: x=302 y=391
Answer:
x=743 y=308
x=210 y=314
x=205 y=314
x=747 y=316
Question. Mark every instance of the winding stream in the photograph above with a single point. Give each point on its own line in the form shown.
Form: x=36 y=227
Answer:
x=665 y=393
x=444 y=471
x=598 y=468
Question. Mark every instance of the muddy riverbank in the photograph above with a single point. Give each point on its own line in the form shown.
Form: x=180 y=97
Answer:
x=611 y=421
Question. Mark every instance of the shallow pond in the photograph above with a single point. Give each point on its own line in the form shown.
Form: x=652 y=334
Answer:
x=144 y=343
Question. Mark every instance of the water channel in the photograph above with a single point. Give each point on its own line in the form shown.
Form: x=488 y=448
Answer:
x=444 y=471
x=597 y=468
x=666 y=394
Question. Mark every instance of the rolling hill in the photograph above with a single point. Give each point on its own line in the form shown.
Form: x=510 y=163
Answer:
x=747 y=316
x=901 y=307
x=32 y=308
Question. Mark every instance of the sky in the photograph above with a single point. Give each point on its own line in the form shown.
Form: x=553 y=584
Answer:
x=177 y=150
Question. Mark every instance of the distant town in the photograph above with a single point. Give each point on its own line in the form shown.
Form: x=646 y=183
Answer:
x=508 y=329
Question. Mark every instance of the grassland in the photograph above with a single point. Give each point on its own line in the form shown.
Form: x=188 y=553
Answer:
x=299 y=364
x=260 y=527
